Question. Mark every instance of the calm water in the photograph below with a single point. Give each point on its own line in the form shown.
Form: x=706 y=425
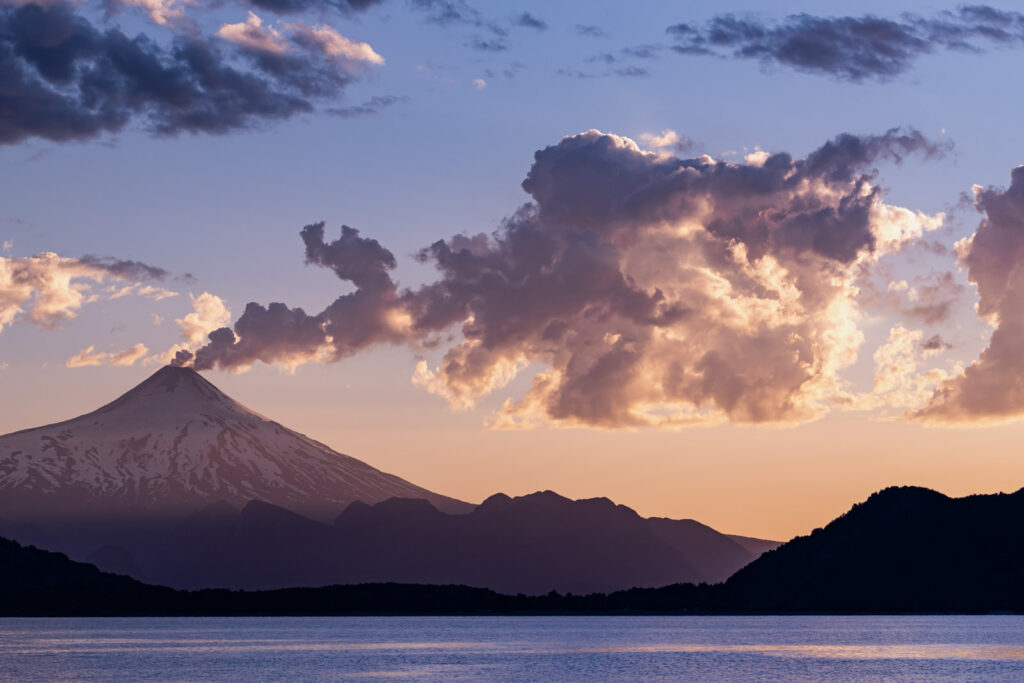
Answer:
x=519 y=648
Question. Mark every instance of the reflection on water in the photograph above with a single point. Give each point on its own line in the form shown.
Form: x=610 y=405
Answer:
x=531 y=648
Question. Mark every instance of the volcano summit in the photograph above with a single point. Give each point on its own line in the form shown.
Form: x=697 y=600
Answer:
x=174 y=444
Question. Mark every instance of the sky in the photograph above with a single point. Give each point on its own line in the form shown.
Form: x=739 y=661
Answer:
x=740 y=264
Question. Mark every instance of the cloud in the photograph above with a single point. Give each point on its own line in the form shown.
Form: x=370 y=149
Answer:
x=334 y=45
x=930 y=299
x=89 y=356
x=527 y=20
x=254 y=35
x=371 y=107
x=138 y=289
x=169 y=13
x=479 y=83
x=290 y=337
x=991 y=389
x=933 y=302
x=899 y=382
x=321 y=40
x=667 y=139
x=52 y=288
x=497 y=44
x=65 y=79
x=123 y=268
x=652 y=290
x=850 y=48
x=447 y=12
x=650 y=51
x=934 y=345
x=209 y=313
x=299 y=6
x=590 y=31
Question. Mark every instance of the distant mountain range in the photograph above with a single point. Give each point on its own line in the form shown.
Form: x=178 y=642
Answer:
x=904 y=550
x=530 y=544
x=175 y=483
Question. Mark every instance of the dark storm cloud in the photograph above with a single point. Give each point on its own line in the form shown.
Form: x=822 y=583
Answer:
x=62 y=78
x=850 y=48
x=992 y=387
x=656 y=290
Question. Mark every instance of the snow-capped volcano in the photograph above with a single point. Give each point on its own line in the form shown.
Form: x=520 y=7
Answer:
x=175 y=443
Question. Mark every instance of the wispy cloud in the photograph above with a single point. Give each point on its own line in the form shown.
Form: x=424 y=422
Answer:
x=89 y=356
x=849 y=48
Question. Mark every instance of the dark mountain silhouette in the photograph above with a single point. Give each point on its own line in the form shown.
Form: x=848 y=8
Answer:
x=904 y=550
x=530 y=544
x=172 y=445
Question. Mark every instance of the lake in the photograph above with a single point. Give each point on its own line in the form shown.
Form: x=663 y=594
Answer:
x=514 y=648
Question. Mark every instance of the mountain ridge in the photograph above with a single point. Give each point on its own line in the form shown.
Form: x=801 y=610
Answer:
x=528 y=544
x=796 y=578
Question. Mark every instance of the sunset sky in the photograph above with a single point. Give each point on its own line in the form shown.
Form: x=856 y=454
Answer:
x=745 y=264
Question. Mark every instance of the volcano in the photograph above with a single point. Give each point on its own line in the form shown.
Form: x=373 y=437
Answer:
x=176 y=443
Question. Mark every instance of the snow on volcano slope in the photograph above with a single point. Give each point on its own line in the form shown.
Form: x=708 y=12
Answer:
x=175 y=443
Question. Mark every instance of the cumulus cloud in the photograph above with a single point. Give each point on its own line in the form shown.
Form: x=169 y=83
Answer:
x=66 y=79
x=209 y=313
x=668 y=140
x=850 y=48
x=90 y=356
x=992 y=387
x=899 y=380
x=51 y=288
x=653 y=290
